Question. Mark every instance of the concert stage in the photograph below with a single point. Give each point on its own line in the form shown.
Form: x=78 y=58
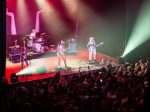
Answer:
x=45 y=66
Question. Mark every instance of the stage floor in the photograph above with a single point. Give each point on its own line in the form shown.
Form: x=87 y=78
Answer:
x=45 y=67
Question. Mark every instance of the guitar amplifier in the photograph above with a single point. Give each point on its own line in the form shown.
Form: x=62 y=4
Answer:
x=14 y=58
x=72 y=46
x=14 y=55
x=14 y=50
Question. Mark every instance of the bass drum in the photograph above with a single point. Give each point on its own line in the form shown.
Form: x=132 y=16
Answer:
x=37 y=47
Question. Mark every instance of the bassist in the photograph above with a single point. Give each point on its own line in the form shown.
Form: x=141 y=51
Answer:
x=92 y=49
x=23 y=55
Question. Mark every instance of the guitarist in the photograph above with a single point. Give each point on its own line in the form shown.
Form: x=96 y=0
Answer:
x=92 y=49
x=61 y=53
x=23 y=55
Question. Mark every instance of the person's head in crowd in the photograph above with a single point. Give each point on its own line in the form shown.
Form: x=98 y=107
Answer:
x=120 y=93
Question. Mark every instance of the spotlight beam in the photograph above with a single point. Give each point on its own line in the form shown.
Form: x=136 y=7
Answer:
x=141 y=32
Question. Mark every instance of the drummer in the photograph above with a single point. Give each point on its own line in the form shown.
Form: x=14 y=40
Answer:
x=31 y=37
x=33 y=34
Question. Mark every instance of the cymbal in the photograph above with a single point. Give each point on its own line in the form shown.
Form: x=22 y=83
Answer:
x=17 y=46
x=43 y=33
x=27 y=35
x=52 y=45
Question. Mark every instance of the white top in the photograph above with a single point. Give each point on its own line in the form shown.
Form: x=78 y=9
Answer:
x=60 y=49
x=32 y=35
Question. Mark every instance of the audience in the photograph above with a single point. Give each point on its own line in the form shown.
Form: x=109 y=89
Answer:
x=111 y=89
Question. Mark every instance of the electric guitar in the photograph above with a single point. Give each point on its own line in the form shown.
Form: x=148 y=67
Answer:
x=101 y=43
x=62 y=51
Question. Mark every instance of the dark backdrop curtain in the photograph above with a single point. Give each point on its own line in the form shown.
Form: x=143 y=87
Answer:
x=2 y=38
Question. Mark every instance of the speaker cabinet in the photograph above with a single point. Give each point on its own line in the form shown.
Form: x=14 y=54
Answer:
x=72 y=46
x=14 y=58
x=14 y=55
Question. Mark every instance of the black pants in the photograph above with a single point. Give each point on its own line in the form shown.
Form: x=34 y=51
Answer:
x=22 y=62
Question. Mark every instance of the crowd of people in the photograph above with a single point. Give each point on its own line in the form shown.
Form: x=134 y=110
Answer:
x=122 y=88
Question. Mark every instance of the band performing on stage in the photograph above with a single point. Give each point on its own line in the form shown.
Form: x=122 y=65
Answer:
x=37 y=42
x=74 y=55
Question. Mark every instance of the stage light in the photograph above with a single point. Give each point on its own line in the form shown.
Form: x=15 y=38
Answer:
x=51 y=19
x=41 y=3
x=13 y=24
x=71 y=6
x=141 y=30
x=22 y=14
x=34 y=68
x=41 y=69
x=26 y=71
x=14 y=78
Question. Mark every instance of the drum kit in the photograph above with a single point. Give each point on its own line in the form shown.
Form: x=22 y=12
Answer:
x=35 y=44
